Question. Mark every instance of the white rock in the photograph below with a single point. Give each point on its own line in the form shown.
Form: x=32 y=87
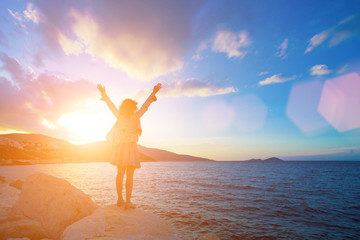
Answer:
x=8 y=197
x=112 y=222
x=52 y=202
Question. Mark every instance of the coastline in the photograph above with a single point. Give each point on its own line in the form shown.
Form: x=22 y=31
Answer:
x=21 y=162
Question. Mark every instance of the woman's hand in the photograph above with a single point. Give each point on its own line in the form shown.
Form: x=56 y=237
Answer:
x=102 y=91
x=157 y=88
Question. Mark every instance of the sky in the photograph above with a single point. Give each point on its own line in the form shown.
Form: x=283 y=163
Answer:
x=241 y=79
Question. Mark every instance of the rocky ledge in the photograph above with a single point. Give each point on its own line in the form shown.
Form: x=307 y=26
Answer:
x=46 y=207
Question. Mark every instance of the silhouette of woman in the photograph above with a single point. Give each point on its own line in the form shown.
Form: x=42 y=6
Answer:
x=125 y=134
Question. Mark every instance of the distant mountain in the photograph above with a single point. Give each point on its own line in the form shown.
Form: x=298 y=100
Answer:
x=162 y=155
x=32 y=147
x=254 y=160
x=38 y=148
x=272 y=159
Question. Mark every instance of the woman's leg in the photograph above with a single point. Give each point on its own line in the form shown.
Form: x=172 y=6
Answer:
x=119 y=184
x=129 y=183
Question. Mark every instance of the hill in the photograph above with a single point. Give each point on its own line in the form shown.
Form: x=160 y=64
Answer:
x=38 y=148
x=272 y=159
x=166 y=156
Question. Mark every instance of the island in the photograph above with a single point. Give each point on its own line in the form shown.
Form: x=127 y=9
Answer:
x=272 y=159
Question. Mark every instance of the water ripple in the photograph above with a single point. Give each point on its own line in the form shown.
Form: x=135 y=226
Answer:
x=234 y=200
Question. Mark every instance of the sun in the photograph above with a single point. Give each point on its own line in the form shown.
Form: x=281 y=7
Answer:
x=87 y=125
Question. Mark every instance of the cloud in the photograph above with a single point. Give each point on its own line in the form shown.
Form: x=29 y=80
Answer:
x=320 y=69
x=234 y=44
x=231 y=43
x=278 y=78
x=263 y=73
x=140 y=38
x=202 y=47
x=282 y=49
x=342 y=69
x=337 y=34
x=17 y=16
x=27 y=100
x=317 y=40
x=29 y=14
x=190 y=87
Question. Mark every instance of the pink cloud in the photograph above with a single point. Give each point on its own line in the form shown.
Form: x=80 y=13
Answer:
x=27 y=99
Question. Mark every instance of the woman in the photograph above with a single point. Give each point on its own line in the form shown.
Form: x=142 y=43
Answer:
x=125 y=134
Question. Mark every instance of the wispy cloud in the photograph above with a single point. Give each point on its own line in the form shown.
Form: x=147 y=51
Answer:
x=232 y=43
x=278 y=78
x=342 y=69
x=17 y=16
x=320 y=69
x=202 y=47
x=337 y=34
x=190 y=87
x=282 y=49
x=263 y=73
x=29 y=14
x=317 y=40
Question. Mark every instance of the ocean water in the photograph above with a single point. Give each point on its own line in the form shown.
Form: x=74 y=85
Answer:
x=234 y=200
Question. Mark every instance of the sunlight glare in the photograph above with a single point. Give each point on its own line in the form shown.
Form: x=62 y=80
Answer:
x=218 y=116
x=87 y=125
x=48 y=124
x=11 y=131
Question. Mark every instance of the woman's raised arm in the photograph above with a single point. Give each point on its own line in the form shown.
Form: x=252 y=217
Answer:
x=149 y=100
x=107 y=100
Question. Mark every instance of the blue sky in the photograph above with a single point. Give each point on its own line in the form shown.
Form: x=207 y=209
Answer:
x=242 y=79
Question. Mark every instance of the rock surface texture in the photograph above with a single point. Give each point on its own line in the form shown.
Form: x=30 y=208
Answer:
x=8 y=196
x=112 y=222
x=19 y=228
x=52 y=202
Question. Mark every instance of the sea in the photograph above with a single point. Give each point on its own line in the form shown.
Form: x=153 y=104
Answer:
x=233 y=200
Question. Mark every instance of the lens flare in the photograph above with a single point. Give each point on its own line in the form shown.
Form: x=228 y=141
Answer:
x=340 y=102
x=302 y=107
x=250 y=113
